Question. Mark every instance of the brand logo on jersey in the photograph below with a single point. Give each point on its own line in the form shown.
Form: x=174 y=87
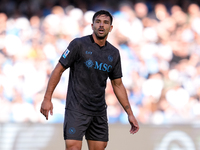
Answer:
x=66 y=53
x=88 y=52
x=98 y=66
x=110 y=58
x=72 y=130
x=89 y=63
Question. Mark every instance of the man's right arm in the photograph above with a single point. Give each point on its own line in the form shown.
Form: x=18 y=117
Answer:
x=52 y=83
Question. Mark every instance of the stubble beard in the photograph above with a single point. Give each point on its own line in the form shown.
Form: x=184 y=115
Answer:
x=100 y=37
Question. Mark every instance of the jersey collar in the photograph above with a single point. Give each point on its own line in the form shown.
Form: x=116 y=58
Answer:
x=95 y=43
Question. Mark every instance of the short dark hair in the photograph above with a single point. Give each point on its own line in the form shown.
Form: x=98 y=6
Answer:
x=102 y=12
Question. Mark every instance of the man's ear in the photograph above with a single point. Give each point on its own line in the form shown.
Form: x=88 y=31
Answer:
x=92 y=26
x=111 y=27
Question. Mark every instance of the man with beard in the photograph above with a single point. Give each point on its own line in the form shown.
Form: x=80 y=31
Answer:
x=91 y=59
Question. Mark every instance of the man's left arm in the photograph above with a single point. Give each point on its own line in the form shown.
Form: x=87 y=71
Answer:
x=122 y=97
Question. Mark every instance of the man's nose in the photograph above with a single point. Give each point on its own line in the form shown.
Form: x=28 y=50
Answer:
x=101 y=24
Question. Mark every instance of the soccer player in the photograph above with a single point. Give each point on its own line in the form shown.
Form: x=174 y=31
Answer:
x=92 y=60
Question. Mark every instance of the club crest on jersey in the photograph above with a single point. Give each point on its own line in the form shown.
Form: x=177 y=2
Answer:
x=110 y=58
x=66 y=53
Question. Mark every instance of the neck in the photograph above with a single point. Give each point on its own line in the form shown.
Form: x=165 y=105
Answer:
x=100 y=42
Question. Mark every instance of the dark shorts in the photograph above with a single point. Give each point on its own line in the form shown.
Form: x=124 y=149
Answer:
x=76 y=125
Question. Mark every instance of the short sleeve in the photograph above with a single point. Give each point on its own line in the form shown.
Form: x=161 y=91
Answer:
x=117 y=70
x=70 y=55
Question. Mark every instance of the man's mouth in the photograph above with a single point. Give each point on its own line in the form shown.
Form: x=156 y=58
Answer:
x=101 y=31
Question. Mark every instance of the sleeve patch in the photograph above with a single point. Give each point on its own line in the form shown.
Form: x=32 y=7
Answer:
x=65 y=53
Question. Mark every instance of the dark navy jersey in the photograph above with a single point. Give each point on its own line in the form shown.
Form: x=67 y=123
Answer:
x=90 y=67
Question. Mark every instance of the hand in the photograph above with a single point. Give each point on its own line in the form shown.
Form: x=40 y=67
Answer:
x=134 y=124
x=46 y=107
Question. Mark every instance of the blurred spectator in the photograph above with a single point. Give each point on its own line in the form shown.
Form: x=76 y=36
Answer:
x=141 y=10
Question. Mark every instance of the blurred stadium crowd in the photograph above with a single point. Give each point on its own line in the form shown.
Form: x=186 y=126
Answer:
x=159 y=46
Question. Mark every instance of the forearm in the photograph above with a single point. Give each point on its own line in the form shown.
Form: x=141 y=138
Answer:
x=53 y=82
x=122 y=97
